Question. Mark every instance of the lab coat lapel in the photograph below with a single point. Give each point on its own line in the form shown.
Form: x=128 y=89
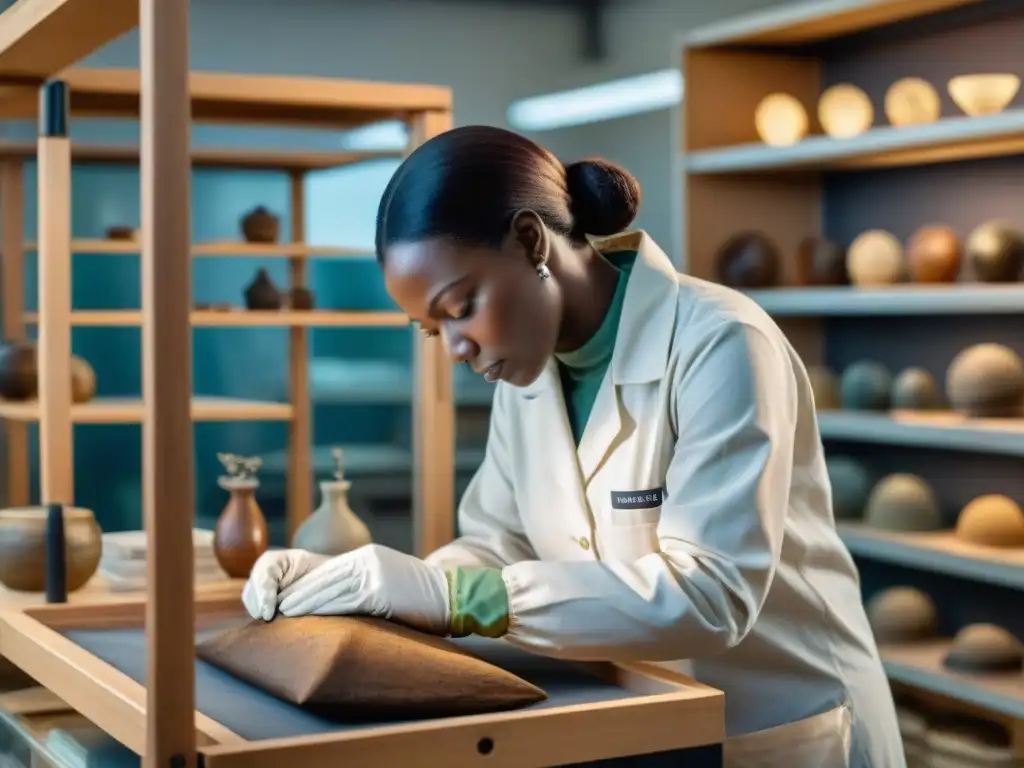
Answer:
x=642 y=345
x=556 y=468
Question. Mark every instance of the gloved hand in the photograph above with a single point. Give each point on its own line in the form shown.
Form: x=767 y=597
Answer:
x=373 y=581
x=273 y=572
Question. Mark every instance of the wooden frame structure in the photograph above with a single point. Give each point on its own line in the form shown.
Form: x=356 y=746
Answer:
x=668 y=712
x=307 y=102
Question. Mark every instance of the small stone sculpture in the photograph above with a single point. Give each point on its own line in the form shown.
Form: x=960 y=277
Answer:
x=866 y=386
x=241 y=533
x=992 y=520
x=821 y=261
x=903 y=503
x=933 y=255
x=995 y=252
x=19 y=374
x=851 y=486
x=824 y=387
x=780 y=120
x=984 y=648
x=912 y=101
x=121 y=232
x=915 y=390
x=987 y=381
x=261 y=226
x=902 y=615
x=301 y=298
x=845 y=111
x=261 y=294
x=748 y=260
x=875 y=258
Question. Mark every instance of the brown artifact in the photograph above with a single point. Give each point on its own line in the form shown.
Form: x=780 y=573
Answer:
x=748 y=260
x=301 y=298
x=260 y=226
x=19 y=374
x=262 y=294
x=933 y=255
x=992 y=520
x=121 y=232
x=821 y=261
x=241 y=534
x=355 y=666
x=23 y=547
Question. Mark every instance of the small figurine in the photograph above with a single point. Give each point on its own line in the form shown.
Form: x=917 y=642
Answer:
x=241 y=533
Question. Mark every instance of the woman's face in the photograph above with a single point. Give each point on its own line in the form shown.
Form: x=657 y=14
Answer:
x=490 y=307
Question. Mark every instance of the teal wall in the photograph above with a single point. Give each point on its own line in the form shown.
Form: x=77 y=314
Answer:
x=250 y=363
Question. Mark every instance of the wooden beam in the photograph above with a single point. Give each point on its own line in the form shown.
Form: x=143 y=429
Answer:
x=168 y=456
x=41 y=37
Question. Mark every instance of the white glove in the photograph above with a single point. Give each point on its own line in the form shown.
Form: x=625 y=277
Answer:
x=373 y=581
x=271 y=573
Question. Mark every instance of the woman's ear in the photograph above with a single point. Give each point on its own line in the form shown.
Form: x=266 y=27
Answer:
x=529 y=235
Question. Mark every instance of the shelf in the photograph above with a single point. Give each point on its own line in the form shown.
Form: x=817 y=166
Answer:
x=127 y=410
x=243 y=318
x=381 y=382
x=920 y=666
x=938 y=552
x=368 y=459
x=796 y=23
x=946 y=140
x=219 y=249
x=963 y=299
x=926 y=430
x=207 y=157
x=220 y=97
x=41 y=37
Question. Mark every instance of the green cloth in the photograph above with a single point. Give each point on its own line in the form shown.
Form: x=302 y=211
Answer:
x=478 y=601
x=583 y=369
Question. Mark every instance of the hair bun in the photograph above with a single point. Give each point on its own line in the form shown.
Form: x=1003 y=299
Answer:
x=604 y=197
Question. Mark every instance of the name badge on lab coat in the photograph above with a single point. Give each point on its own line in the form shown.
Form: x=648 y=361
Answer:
x=649 y=499
x=634 y=519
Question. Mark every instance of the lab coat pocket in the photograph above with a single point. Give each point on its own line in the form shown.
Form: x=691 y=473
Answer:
x=821 y=741
x=632 y=524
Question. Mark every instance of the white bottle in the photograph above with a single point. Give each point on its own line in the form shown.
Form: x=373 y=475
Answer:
x=333 y=528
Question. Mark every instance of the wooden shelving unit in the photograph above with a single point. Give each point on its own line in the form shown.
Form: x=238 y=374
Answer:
x=306 y=102
x=898 y=179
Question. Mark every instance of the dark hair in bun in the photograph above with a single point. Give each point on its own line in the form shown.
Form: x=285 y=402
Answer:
x=604 y=197
x=468 y=184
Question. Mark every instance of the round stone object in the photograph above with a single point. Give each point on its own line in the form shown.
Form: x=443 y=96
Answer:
x=914 y=389
x=992 y=520
x=987 y=381
x=902 y=615
x=866 y=386
x=903 y=503
x=984 y=648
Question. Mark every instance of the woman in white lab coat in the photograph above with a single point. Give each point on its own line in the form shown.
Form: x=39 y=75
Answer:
x=654 y=484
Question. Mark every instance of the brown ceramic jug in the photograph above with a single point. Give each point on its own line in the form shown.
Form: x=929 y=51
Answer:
x=241 y=533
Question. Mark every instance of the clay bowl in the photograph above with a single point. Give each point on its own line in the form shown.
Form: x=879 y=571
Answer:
x=23 y=547
x=983 y=94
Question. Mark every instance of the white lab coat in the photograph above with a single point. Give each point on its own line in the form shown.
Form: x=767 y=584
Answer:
x=738 y=577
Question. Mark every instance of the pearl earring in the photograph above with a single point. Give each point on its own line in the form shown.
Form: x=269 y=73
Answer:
x=543 y=271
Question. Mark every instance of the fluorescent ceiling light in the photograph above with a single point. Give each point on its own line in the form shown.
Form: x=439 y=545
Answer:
x=391 y=135
x=594 y=103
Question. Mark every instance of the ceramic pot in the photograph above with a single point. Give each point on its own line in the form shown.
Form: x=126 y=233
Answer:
x=19 y=375
x=23 y=547
x=301 y=298
x=241 y=533
x=260 y=226
x=262 y=294
x=333 y=528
